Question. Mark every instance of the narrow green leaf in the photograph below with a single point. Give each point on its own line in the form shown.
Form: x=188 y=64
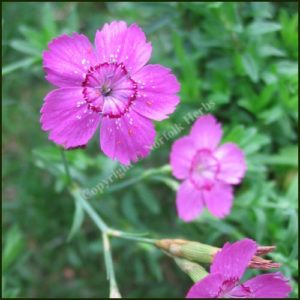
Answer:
x=250 y=67
x=263 y=27
x=14 y=245
x=287 y=156
x=48 y=20
x=19 y=65
x=148 y=198
x=77 y=219
x=24 y=47
x=171 y=183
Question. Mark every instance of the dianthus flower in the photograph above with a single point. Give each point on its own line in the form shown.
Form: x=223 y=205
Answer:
x=109 y=86
x=208 y=170
x=228 y=268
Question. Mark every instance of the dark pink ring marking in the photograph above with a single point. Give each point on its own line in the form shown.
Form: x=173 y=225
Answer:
x=90 y=73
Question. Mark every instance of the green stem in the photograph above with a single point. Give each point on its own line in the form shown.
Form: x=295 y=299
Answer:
x=90 y=211
x=129 y=236
x=99 y=222
x=66 y=166
x=103 y=227
x=146 y=174
x=114 y=290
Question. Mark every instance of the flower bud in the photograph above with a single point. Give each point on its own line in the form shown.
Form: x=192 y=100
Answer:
x=192 y=251
x=195 y=271
x=202 y=253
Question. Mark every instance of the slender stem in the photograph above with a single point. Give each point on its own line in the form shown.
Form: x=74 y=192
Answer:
x=104 y=228
x=90 y=211
x=114 y=290
x=85 y=205
x=66 y=166
x=165 y=169
x=128 y=236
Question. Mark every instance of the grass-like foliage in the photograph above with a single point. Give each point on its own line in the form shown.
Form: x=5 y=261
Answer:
x=237 y=61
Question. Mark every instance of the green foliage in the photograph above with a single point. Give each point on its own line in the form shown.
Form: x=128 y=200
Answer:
x=240 y=56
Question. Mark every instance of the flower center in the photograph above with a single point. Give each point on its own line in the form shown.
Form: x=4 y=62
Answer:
x=204 y=169
x=105 y=90
x=109 y=90
x=226 y=288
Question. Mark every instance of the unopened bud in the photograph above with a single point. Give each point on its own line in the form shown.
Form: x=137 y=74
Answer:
x=194 y=270
x=202 y=253
x=192 y=251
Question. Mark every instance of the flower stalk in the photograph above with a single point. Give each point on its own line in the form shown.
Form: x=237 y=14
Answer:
x=114 y=290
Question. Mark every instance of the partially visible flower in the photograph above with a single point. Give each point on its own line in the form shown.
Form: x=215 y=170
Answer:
x=108 y=86
x=228 y=268
x=208 y=171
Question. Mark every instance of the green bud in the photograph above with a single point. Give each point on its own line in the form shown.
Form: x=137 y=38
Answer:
x=198 y=252
x=189 y=250
x=195 y=271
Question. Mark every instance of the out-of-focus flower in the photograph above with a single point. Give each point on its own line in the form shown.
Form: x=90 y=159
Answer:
x=108 y=86
x=228 y=268
x=208 y=171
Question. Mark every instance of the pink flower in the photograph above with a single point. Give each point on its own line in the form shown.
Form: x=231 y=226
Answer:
x=226 y=271
x=208 y=171
x=108 y=86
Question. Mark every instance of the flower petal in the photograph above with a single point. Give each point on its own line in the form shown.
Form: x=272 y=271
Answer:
x=127 y=138
x=208 y=287
x=157 y=87
x=232 y=260
x=118 y=43
x=66 y=115
x=189 y=201
x=232 y=163
x=206 y=132
x=68 y=59
x=182 y=153
x=272 y=285
x=219 y=199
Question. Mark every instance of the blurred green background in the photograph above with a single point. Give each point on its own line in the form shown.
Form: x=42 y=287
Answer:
x=242 y=57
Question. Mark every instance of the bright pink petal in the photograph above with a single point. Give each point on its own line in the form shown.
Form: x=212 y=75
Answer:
x=157 y=87
x=272 y=285
x=66 y=115
x=68 y=59
x=118 y=43
x=206 y=132
x=232 y=163
x=232 y=260
x=127 y=138
x=189 y=201
x=182 y=153
x=208 y=287
x=219 y=199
